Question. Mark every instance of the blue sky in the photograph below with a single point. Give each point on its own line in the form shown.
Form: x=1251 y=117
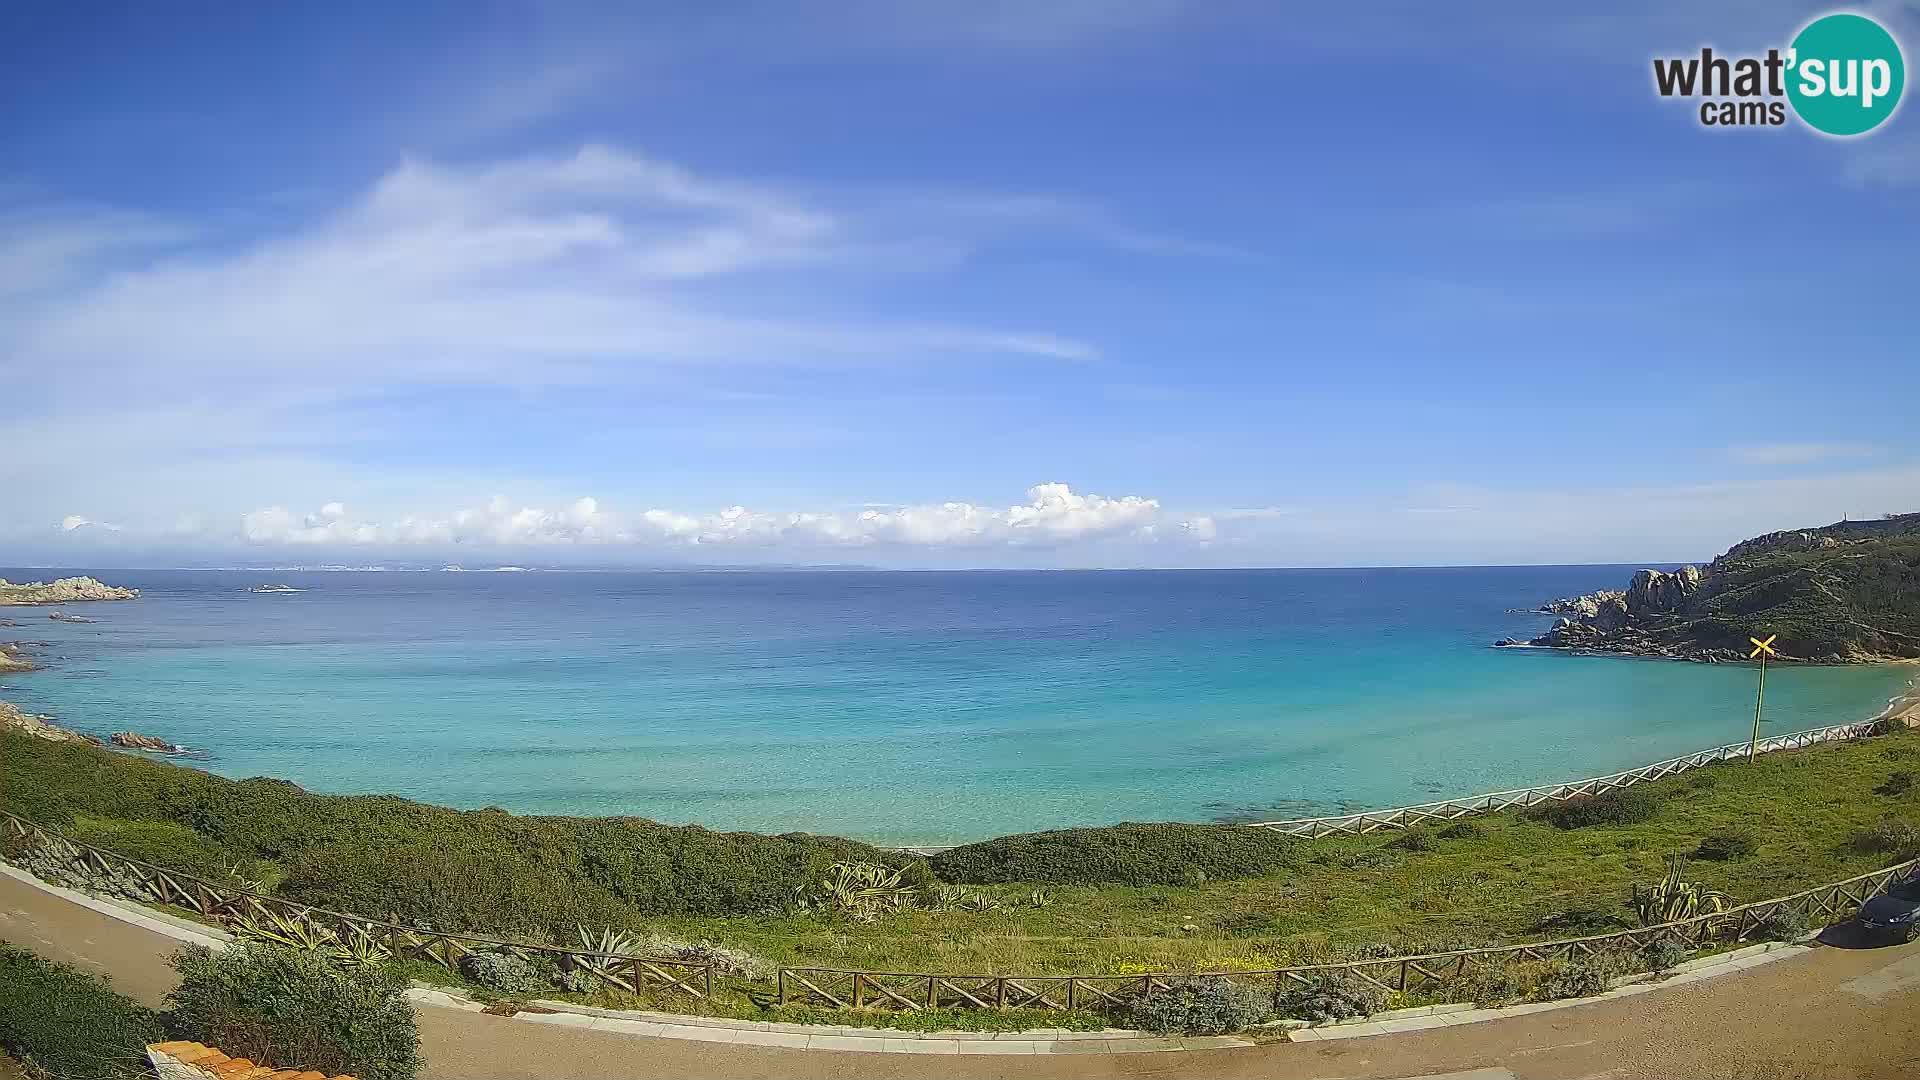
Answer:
x=932 y=284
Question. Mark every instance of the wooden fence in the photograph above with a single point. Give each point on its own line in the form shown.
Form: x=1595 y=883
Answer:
x=1494 y=802
x=244 y=912
x=841 y=988
x=1429 y=973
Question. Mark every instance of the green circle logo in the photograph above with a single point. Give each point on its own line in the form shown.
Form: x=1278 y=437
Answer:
x=1845 y=74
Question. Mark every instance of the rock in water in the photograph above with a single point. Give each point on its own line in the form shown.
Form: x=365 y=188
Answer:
x=133 y=740
x=64 y=591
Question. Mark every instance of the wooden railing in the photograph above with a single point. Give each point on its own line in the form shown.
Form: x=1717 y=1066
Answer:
x=1428 y=973
x=1403 y=817
x=842 y=988
x=240 y=910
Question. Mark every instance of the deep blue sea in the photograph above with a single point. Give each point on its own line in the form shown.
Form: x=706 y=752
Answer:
x=910 y=708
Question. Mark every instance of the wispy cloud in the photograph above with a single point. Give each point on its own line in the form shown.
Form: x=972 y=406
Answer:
x=522 y=272
x=1797 y=453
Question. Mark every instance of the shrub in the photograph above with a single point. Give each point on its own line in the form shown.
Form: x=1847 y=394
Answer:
x=296 y=1009
x=1897 y=783
x=1413 y=840
x=1463 y=829
x=381 y=855
x=1621 y=806
x=1202 y=1007
x=504 y=972
x=1132 y=854
x=1584 y=977
x=1664 y=955
x=70 y=1023
x=1890 y=837
x=1495 y=984
x=1330 y=996
x=1785 y=924
x=1732 y=842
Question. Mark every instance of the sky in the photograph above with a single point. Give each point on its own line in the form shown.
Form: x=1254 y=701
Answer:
x=928 y=284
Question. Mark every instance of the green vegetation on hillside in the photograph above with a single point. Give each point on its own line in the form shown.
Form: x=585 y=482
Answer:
x=1095 y=901
x=380 y=855
x=1841 y=593
x=1851 y=589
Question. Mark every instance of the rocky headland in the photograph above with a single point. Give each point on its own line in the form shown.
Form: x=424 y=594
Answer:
x=40 y=727
x=1846 y=593
x=71 y=590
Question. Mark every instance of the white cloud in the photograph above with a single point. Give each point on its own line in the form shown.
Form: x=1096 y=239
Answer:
x=1053 y=515
x=73 y=522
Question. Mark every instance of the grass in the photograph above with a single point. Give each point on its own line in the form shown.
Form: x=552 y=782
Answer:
x=1510 y=878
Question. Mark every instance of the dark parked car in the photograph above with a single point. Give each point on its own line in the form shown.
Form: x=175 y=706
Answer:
x=1895 y=914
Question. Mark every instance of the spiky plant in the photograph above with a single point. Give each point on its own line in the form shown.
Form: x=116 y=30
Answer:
x=359 y=949
x=861 y=891
x=607 y=941
x=291 y=930
x=1674 y=898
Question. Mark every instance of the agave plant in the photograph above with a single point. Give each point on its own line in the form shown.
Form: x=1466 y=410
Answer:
x=861 y=891
x=359 y=949
x=1674 y=898
x=293 y=931
x=607 y=941
x=1040 y=898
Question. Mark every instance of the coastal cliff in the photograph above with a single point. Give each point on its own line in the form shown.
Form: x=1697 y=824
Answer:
x=1845 y=593
x=64 y=591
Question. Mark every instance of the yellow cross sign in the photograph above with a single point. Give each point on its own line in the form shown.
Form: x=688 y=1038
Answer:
x=1762 y=646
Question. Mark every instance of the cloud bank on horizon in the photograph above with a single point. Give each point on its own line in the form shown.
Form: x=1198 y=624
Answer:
x=742 y=290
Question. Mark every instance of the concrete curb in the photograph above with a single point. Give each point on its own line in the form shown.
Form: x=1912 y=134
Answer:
x=1693 y=971
x=127 y=912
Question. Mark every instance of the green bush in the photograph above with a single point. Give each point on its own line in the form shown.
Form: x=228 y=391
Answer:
x=1131 y=854
x=296 y=1009
x=1584 y=977
x=1463 y=829
x=1732 y=842
x=1898 y=782
x=1494 y=984
x=1621 y=806
x=1413 y=840
x=504 y=973
x=1664 y=955
x=381 y=855
x=1202 y=1007
x=1894 y=837
x=1329 y=997
x=1785 y=924
x=70 y=1023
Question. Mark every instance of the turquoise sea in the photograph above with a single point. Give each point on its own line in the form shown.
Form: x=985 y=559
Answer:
x=908 y=708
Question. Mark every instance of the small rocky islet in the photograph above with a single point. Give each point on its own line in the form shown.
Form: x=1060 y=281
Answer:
x=1847 y=593
x=71 y=590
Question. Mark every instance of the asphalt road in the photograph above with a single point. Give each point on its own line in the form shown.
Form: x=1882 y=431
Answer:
x=1832 y=1014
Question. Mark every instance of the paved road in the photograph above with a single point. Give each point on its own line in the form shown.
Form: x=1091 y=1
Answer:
x=1833 y=1014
